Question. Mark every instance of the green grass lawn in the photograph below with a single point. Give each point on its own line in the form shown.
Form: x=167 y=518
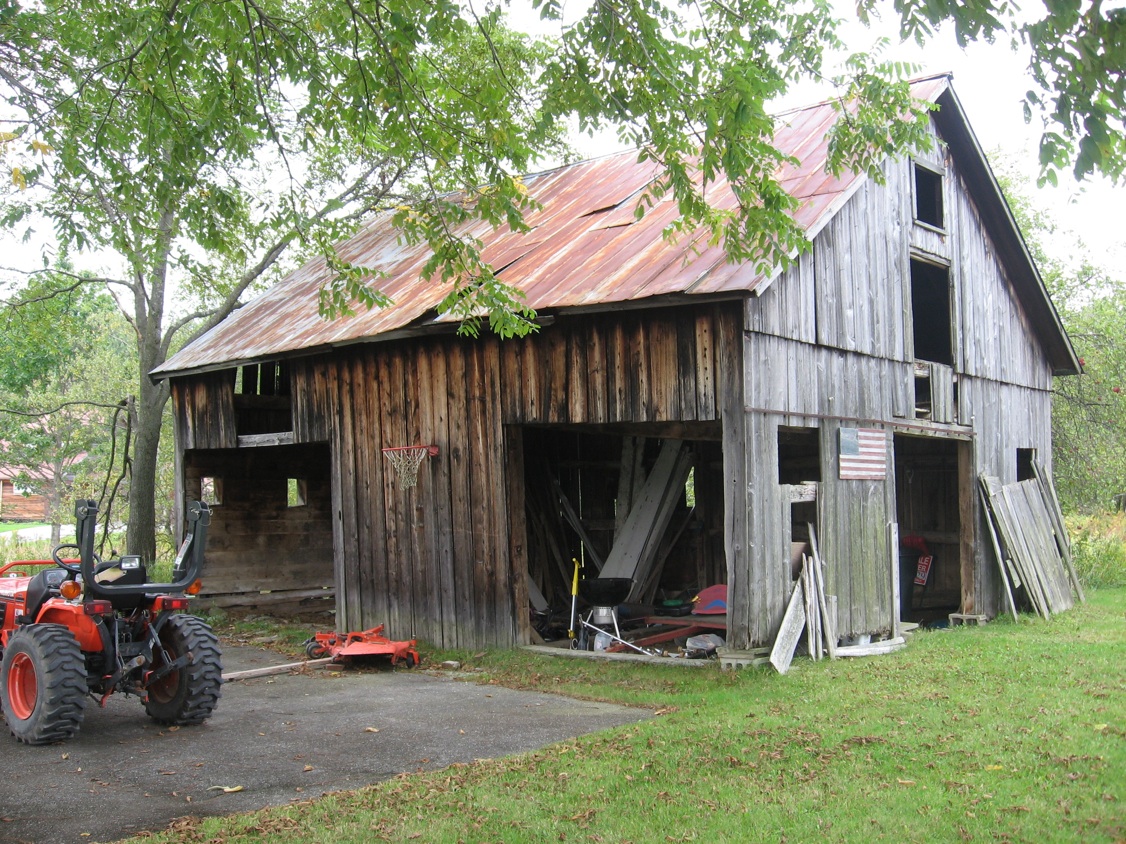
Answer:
x=5 y=527
x=1008 y=732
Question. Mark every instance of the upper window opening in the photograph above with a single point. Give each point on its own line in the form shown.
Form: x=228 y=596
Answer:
x=930 y=311
x=928 y=196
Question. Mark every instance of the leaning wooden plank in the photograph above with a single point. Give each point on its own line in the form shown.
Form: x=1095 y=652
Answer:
x=631 y=477
x=1018 y=547
x=893 y=551
x=1047 y=543
x=997 y=551
x=874 y=649
x=673 y=496
x=1009 y=520
x=828 y=627
x=1043 y=554
x=806 y=580
x=813 y=612
x=1051 y=501
x=782 y=654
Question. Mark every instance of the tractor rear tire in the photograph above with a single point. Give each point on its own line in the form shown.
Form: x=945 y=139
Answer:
x=187 y=695
x=43 y=684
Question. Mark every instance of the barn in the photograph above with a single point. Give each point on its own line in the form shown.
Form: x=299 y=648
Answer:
x=676 y=417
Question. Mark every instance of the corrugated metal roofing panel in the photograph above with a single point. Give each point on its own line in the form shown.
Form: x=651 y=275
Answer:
x=586 y=247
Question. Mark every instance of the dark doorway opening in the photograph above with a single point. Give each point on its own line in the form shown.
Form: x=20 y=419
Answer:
x=799 y=470
x=929 y=492
x=581 y=486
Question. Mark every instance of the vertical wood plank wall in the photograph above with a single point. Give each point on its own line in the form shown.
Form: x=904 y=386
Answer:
x=445 y=560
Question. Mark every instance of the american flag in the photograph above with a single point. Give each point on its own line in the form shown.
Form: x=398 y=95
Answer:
x=864 y=454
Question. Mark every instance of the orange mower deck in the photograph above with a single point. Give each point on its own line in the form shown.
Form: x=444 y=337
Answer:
x=343 y=647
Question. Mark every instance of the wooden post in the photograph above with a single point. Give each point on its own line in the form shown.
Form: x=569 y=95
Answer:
x=966 y=523
x=893 y=551
x=828 y=620
x=999 y=555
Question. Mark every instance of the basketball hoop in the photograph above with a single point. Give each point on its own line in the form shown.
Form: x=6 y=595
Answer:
x=406 y=459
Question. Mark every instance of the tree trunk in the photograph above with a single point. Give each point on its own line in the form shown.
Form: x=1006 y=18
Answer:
x=147 y=412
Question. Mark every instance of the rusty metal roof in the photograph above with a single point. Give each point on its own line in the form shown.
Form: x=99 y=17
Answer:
x=585 y=248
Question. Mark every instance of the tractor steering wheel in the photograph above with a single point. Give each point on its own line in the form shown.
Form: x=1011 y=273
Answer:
x=71 y=567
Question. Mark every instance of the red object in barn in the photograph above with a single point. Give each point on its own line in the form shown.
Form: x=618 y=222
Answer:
x=343 y=647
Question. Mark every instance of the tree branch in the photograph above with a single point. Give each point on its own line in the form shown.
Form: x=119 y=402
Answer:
x=38 y=414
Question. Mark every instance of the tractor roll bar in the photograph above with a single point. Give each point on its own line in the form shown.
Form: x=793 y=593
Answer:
x=189 y=559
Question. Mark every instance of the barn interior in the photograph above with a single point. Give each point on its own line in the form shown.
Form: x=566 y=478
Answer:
x=592 y=492
x=927 y=493
x=270 y=545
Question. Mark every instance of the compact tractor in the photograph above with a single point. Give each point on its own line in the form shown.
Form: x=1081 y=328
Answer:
x=89 y=627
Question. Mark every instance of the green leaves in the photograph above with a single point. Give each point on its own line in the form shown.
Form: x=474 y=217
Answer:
x=878 y=117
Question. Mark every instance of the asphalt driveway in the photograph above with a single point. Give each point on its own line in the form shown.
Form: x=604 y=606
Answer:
x=280 y=738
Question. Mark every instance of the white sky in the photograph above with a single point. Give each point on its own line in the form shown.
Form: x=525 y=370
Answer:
x=989 y=79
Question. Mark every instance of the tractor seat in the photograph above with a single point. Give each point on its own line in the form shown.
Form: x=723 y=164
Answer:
x=41 y=587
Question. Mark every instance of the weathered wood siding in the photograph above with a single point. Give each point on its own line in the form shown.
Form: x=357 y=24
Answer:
x=997 y=341
x=829 y=343
x=1005 y=418
x=204 y=408
x=852 y=291
x=798 y=384
x=446 y=560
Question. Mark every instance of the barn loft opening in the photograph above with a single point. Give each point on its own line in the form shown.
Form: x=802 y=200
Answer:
x=929 y=492
x=647 y=507
x=928 y=196
x=930 y=313
x=262 y=398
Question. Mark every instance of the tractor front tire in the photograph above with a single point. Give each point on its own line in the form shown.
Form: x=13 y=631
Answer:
x=43 y=684
x=187 y=695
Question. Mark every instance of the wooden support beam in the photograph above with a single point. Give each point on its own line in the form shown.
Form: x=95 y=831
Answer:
x=572 y=518
x=270 y=670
